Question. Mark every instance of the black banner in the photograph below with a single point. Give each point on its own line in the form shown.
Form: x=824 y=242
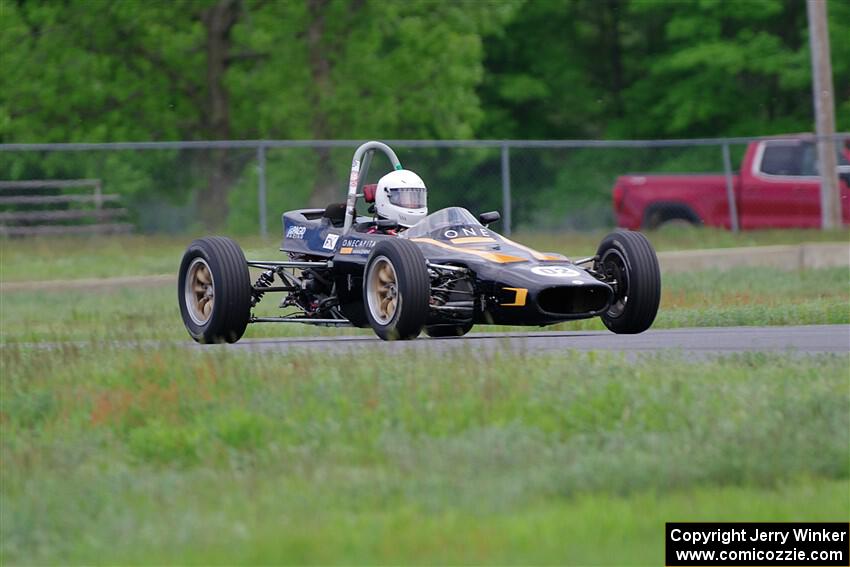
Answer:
x=753 y=543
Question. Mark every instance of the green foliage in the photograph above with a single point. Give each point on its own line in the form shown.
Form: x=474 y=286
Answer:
x=158 y=442
x=241 y=429
x=627 y=68
x=839 y=30
x=359 y=69
x=139 y=71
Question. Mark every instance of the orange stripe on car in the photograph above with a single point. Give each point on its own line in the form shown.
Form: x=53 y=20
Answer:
x=492 y=256
x=473 y=240
x=537 y=255
x=519 y=300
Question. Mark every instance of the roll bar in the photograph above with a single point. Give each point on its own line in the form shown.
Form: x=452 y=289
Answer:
x=359 y=169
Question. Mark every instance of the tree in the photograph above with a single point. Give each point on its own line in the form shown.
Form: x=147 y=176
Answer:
x=361 y=69
x=127 y=71
x=725 y=67
x=839 y=30
x=655 y=68
x=394 y=70
x=226 y=69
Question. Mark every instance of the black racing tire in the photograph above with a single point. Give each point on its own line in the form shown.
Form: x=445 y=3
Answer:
x=396 y=290
x=355 y=312
x=629 y=258
x=221 y=261
x=440 y=331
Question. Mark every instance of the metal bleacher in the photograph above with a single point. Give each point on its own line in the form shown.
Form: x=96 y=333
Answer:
x=58 y=207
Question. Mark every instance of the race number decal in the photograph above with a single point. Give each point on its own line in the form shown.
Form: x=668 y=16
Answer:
x=555 y=271
x=330 y=241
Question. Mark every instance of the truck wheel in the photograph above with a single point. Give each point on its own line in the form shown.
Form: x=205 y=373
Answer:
x=662 y=214
x=628 y=259
x=396 y=290
x=439 y=331
x=677 y=224
x=214 y=290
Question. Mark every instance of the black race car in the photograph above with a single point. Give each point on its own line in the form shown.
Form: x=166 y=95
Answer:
x=444 y=275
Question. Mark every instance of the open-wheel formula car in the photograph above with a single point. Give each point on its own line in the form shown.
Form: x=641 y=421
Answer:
x=443 y=273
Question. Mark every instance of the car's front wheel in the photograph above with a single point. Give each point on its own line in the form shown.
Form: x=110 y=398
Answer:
x=628 y=262
x=396 y=290
x=214 y=290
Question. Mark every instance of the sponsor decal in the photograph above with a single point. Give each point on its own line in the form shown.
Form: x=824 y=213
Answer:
x=330 y=241
x=358 y=243
x=355 y=175
x=555 y=271
x=356 y=246
x=465 y=231
x=296 y=232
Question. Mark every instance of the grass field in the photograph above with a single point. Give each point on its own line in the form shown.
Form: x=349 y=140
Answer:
x=712 y=298
x=736 y=297
x=52 y=259
x=163 y=456
x=160 y=455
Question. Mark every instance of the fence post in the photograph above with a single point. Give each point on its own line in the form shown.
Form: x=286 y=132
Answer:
x=730 y=189
x=261 y=189
x=98 y=195
x=506 y=191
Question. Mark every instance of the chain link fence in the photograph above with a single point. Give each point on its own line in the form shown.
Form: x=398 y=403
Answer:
x=243 y=186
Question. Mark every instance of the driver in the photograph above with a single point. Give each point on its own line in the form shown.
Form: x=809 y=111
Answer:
x=401 y=196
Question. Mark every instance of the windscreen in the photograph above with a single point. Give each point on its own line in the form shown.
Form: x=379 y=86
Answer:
x=444 y=218
x=409 y=197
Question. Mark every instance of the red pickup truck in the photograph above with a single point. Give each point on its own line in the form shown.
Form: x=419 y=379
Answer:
x=777 y=187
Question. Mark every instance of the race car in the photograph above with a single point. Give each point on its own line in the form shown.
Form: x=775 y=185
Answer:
x=443 y=273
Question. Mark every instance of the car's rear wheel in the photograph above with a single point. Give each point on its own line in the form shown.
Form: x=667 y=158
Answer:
x=214 y=290
x=440 y=331
x=628 y=261
x=396 y=290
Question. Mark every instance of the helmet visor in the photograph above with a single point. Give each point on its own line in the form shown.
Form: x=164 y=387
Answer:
x=409 y=197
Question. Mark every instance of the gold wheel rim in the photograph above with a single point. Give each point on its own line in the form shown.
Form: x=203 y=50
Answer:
x=382 y=292
x=199 y=291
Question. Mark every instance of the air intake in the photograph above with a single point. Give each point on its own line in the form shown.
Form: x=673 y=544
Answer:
x=573 y=300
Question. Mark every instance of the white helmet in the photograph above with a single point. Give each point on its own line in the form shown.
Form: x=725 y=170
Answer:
x=401 y=196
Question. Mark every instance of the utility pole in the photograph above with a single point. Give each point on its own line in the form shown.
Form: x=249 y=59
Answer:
x=830 y=200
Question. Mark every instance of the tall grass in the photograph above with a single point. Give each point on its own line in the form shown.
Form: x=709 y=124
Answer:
x=166 y=455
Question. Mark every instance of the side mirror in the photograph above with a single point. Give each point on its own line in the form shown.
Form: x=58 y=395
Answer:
x=487 y=218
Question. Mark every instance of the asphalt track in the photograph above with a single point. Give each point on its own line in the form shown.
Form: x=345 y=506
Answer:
x=700 y=342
